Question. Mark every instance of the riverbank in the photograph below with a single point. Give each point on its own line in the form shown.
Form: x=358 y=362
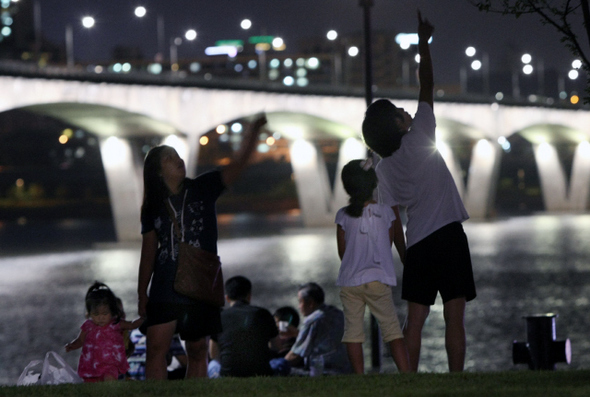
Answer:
x=516 y=383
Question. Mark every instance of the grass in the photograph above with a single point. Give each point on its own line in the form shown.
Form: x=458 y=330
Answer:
x=516 y=383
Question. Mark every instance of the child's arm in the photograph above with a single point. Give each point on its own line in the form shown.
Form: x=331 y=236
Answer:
x=341 y=241
x=76 y=343
x=129 y=325
x=396 y=235
x=425 y=72
x=233 y=170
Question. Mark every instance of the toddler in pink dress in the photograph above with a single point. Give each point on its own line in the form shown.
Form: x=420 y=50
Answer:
x=101 y=337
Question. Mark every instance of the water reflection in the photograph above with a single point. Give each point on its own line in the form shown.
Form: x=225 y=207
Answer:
x=523 y=265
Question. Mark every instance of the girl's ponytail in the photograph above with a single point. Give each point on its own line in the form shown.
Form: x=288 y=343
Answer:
x=359 y=180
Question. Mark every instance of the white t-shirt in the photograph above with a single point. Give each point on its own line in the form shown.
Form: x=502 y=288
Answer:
x=368 y=255
x=416 y=176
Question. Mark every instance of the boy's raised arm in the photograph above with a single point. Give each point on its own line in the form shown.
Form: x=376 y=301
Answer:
x=425 y=72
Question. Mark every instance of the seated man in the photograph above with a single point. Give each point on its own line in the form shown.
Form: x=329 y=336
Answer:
x=243 y=347
x=320 y=336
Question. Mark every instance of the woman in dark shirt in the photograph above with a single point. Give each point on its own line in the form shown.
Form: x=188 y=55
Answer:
x=193 y=204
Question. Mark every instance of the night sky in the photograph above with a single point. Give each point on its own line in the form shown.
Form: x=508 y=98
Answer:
x=458 y=25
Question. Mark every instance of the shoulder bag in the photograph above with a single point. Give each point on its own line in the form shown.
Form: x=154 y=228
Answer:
x=199 y=274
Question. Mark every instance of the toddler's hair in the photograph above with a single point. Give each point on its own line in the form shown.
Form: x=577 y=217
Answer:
x=289 y=314
x=100 y=294
x=359 y=184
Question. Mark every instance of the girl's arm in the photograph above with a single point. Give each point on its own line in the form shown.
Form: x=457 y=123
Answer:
x=76 y=343
x=233 y=170
x=129 y=325
x=341 y=241
x=396 y=235
x=149 y=248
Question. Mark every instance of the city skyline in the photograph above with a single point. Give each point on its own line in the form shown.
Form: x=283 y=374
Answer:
x=458 y=25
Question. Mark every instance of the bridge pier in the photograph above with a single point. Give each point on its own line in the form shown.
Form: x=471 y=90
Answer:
x=125 y=188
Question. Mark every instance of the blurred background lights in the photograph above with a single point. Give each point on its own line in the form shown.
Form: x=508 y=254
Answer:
x=527 y=69
x=288 y=62
x=332 y=35
x=203 y=140
x=278 y=44
x=190 y=34
x=301 y=72
x=313 y=63
x=246 y=24
x=88 y=22
x=526 y=58
x=221 y=128
x=574 y=99
x=476 y=65
x=576 y=64
x=237 y=128
x=470 y=51
x=573 y=74
x=155 y=68
x=302 y=81
x=353 y=51
x=274 y=63
x=288 y=81
x=140 y=11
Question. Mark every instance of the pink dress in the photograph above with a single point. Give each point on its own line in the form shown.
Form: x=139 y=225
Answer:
x=103 y=352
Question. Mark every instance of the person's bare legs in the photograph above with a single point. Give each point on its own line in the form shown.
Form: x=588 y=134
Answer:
x=454 y=313
x=399 y=353
x=158 y=340
x=355 y=356
x=197 y=358
x=417 y=314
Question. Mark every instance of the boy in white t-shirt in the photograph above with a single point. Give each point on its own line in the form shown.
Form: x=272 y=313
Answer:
x=413 y=174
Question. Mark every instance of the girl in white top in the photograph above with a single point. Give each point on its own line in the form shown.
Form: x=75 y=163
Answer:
x=365 y=233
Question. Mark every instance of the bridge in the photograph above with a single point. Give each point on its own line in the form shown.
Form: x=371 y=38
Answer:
x=181 y=113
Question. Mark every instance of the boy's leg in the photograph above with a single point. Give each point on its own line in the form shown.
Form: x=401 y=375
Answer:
x=355 y=356
x=417 y=314
x=454 y=313
x=399 y=352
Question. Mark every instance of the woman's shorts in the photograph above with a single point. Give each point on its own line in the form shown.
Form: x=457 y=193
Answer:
x=439 y=263
x=193 y=321
x=379 y=298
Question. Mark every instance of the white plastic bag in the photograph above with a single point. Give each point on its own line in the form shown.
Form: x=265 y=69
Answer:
x=54 y=371
x=31 y=373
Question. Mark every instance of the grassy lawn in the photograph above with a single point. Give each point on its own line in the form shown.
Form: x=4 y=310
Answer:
x=516 y=383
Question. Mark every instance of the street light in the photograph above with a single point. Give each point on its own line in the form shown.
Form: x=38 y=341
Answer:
x=141 y=12
x=476 y=65
x=332 y=35
x=246 y=24
x=88 y=22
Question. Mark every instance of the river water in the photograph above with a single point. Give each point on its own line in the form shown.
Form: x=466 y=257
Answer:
x=522 y=265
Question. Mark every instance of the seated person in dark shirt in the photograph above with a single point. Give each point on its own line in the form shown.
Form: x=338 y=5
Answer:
x=287 y=320
x=243 y=347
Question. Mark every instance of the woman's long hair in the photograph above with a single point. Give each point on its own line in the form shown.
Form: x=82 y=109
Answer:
x=359 y=184
x=155 y=190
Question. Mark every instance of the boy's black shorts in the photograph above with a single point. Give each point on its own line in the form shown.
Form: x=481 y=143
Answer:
x=439 y=263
